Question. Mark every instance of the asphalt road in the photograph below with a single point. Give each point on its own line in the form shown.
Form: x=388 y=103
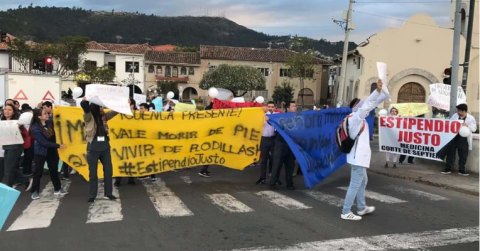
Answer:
x=229 y=212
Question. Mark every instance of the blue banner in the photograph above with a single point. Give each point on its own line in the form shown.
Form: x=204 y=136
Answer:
x=311 y=137
x=8 y=197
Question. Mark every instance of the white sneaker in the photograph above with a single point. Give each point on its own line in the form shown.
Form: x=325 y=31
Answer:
x=367 y=210
x=350 y=216
x=29 y=186
x=73 y=171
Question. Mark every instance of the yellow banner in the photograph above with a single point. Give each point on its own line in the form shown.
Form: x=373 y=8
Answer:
x=181 y=107
x=411 y=109
x=155 y=142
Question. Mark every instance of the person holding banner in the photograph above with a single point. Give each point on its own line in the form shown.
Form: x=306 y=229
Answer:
x=267 y=144
x=392 y=156
x=45 y=150
x=144 y=108
x=360 y=154
x=204 y=171
x=463 y=144
x=98 y=147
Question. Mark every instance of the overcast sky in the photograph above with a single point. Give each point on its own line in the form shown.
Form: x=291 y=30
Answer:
x=311 y=18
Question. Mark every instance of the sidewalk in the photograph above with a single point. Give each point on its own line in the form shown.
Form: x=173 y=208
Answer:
x=425 y=172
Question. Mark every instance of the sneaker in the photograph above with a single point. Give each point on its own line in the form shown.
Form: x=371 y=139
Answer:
x=28 y=174
x=411 y=163
x=445 y=172
x=291 y=187
x=74 y=172
x=29 y=185
x=91 y=200
x=394 y=165
x=60 y=192
x=110 y=197
x=278 y=183
x=66 y=178
x=350 y=216
x=260 y=181
x=175 y=170
x=386 y=165
x=463 y=173
x=35 y=196
x=153 y=178
x=367 y=210
x=144 y=178
x=204 y=174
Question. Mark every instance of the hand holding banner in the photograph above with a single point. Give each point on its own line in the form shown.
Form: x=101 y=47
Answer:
x=440 y=96
x=10 y=133
x=112 y=97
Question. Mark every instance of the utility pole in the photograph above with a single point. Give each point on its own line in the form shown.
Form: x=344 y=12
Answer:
x=466 y=64
x=343 y=78
x=455 y=56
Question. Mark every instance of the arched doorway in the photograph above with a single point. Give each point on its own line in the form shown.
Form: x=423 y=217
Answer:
x=308 y=98
x=189 y=93
x=411 y=93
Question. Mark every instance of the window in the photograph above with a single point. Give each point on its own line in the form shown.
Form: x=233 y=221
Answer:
x=168 y=72
x=284 y=72
x=175 y=71
x=359 y=62
x=311 y=73
x=183 y=71
x=90 y=64
x=129 y=66
x=112 y=65
x=373 y=87
x=264 y=71
x=159 y=69
x=191 y=71
x=151 y=69
x=212 y=67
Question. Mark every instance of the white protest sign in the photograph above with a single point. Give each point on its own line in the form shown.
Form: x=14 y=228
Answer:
x=10 y=133
x=238 y=100
x=112 y=97
x=224 y=94
x=140 y=98
x=382 y=74
x=440 y=96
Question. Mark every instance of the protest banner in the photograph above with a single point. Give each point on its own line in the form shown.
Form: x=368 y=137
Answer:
x=411 y=109
x=10 y=133
x=220 y=104
x=311 y=136
x=418 y=137
x=158 y=102
x=382 y=74
x=440 y=96
x=112 y=97
x=8 y=197
x=182 y=107
x=139 y=99
x=154 y=142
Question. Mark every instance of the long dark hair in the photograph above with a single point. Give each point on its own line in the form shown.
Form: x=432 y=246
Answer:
x=15 y=115
x=36 y=121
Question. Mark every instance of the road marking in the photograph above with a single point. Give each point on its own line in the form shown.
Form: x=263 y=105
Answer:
x=419 y=240
x=165 y=201
x=186 y=179
x=39 y=213
x=380 y=197
x=228 y=203
x=105 y=210
x=282 y=200
x=417 y=193
x=324 y=197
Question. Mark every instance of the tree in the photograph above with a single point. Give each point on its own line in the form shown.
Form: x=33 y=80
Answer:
x=68 y=52
x=22 y=52
x=181 y=48
x=301 y=67
x=234 y=78
x=95 y=75
x=167 y=86
x=283 y=93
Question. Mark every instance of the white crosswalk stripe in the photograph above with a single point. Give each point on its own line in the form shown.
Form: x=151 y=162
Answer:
x=165 y=201
x=380 y=197
x=105 y=210
x=282 y=200
x=228 y=203
x=324 y=197
x=39 y=213
x=417 y=193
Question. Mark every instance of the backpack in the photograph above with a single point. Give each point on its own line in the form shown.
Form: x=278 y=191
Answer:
x=27 y=141
x=342 y=138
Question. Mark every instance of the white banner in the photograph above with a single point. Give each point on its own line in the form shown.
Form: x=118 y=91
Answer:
x=112 y=97
x=139 y=99
x=10 y=133
x=418 y=137
x=440 y=96
x=382 y=74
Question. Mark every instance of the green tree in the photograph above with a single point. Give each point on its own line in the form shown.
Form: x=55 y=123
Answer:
x=186 y=49
x=283 y=93
x=22 y=52
x=95 y=75
x=69 y=52
x=234 y=78
x=167 y=86
x=302 y=66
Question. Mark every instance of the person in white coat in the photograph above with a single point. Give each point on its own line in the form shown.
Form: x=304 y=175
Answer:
x=463 y=144
x=392 y=156
x=359 y=157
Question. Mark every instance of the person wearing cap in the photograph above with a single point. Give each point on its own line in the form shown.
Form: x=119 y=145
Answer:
x=360 y=155
x=463 y=144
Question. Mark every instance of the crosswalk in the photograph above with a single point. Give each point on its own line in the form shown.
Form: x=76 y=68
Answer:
x=40 y=213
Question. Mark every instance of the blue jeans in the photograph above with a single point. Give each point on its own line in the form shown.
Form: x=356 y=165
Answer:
x=356 y=189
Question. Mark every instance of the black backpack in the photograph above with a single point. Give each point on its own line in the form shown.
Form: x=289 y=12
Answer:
x=342 y=138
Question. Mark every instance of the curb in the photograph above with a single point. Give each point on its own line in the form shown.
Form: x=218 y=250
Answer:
x=427 y=182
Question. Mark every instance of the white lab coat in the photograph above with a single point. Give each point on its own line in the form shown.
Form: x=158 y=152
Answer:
x=472 y=125
x=361 y=153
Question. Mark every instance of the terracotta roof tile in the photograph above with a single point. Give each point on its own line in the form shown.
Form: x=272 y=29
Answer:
x=92 y=45
x=249 y=54
x=4 y=45
x=165 y=47
x=173 y=57
x=120 y=48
